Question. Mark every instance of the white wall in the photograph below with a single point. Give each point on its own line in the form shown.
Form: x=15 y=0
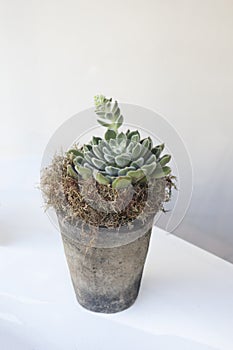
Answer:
x=172 y=56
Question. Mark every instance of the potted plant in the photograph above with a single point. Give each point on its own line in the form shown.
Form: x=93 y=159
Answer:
x=106 y=194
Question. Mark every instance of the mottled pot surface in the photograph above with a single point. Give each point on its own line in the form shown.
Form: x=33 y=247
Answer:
x=106 y=279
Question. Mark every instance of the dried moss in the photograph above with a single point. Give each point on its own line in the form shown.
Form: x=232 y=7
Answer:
x=79 y=201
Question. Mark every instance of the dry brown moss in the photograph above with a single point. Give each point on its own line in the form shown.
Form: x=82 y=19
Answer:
x=98 y=205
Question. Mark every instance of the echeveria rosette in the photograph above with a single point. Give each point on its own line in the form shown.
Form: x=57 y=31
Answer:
x=120 y=159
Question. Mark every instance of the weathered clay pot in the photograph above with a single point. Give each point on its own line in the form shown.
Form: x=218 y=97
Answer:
x=106 y=272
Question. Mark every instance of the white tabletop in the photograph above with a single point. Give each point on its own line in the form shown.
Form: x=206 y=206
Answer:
x=185 y=301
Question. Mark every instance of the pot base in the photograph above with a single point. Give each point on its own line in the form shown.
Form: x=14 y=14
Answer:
x=106 y=303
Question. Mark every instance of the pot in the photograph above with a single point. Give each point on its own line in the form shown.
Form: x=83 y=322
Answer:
x=106 y=270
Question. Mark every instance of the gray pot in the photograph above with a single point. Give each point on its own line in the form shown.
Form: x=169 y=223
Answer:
x=106 y=271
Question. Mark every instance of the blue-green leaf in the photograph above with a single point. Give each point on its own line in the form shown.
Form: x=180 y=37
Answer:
x=121 y=182
x=88 y=157
x=130 y=134
x=111 y=170
x=136 y=175
x=138 y=162
x=148 y=169
x=147 y=143
x=101 y=179
x=110 y=134
x=103 y=123
x=165 y=159
x=78 y=160
x=125 y=170
x=100 y=164
x=135 y=138
x=123 y=160
x=158 y=150
x=71 y=172
x=109 y=159
x=114 y=108
x=151 y=159
x=96 y=140
x=97 y=152
x=117 y=113
x=162 y=172
x=119 y=121
x=84 y=172
x=87 y=148
x=75 y=152
x=136 y=150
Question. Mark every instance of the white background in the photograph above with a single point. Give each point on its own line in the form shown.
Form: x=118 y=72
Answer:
x=171 y=56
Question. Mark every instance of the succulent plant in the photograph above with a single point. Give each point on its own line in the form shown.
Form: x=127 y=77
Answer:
x=120 y=158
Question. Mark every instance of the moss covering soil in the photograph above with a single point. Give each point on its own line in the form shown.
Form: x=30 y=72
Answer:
x=87 y=202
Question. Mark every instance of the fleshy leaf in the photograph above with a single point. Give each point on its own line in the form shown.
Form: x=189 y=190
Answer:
x=109 y=159
x=88 y=157
x=138 y=162
x=107 y=150
x=108 y=107
x=119 y=121
x=136 y=151
x=144 y=151
x=121 y=137
x=117 y=113
x=89 y=166
x=112 y=144
x=97 y=152
x=71 y=172
x=109 y=116
x=125 y=170
x=87 y=148
x=121 y=182
x=78 y=160
x=162 y=172
x=96 y=140
x=123 y=160
x=165 y=159
x=114 y=108
x=130 y=146
x=84 y=172
x=148 y=169
x=110 y=134
x=136 y=175
x=101 y=179
x=100 y=164
x=129 y=134
x=151 y=159
x=100 y=113
x=111 y=170
x=147 y=143
x=75 y=152
x=135 y=138
x=103 y=123
x=158 y=150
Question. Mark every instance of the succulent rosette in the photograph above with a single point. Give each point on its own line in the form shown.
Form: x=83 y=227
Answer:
x=119 y=159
